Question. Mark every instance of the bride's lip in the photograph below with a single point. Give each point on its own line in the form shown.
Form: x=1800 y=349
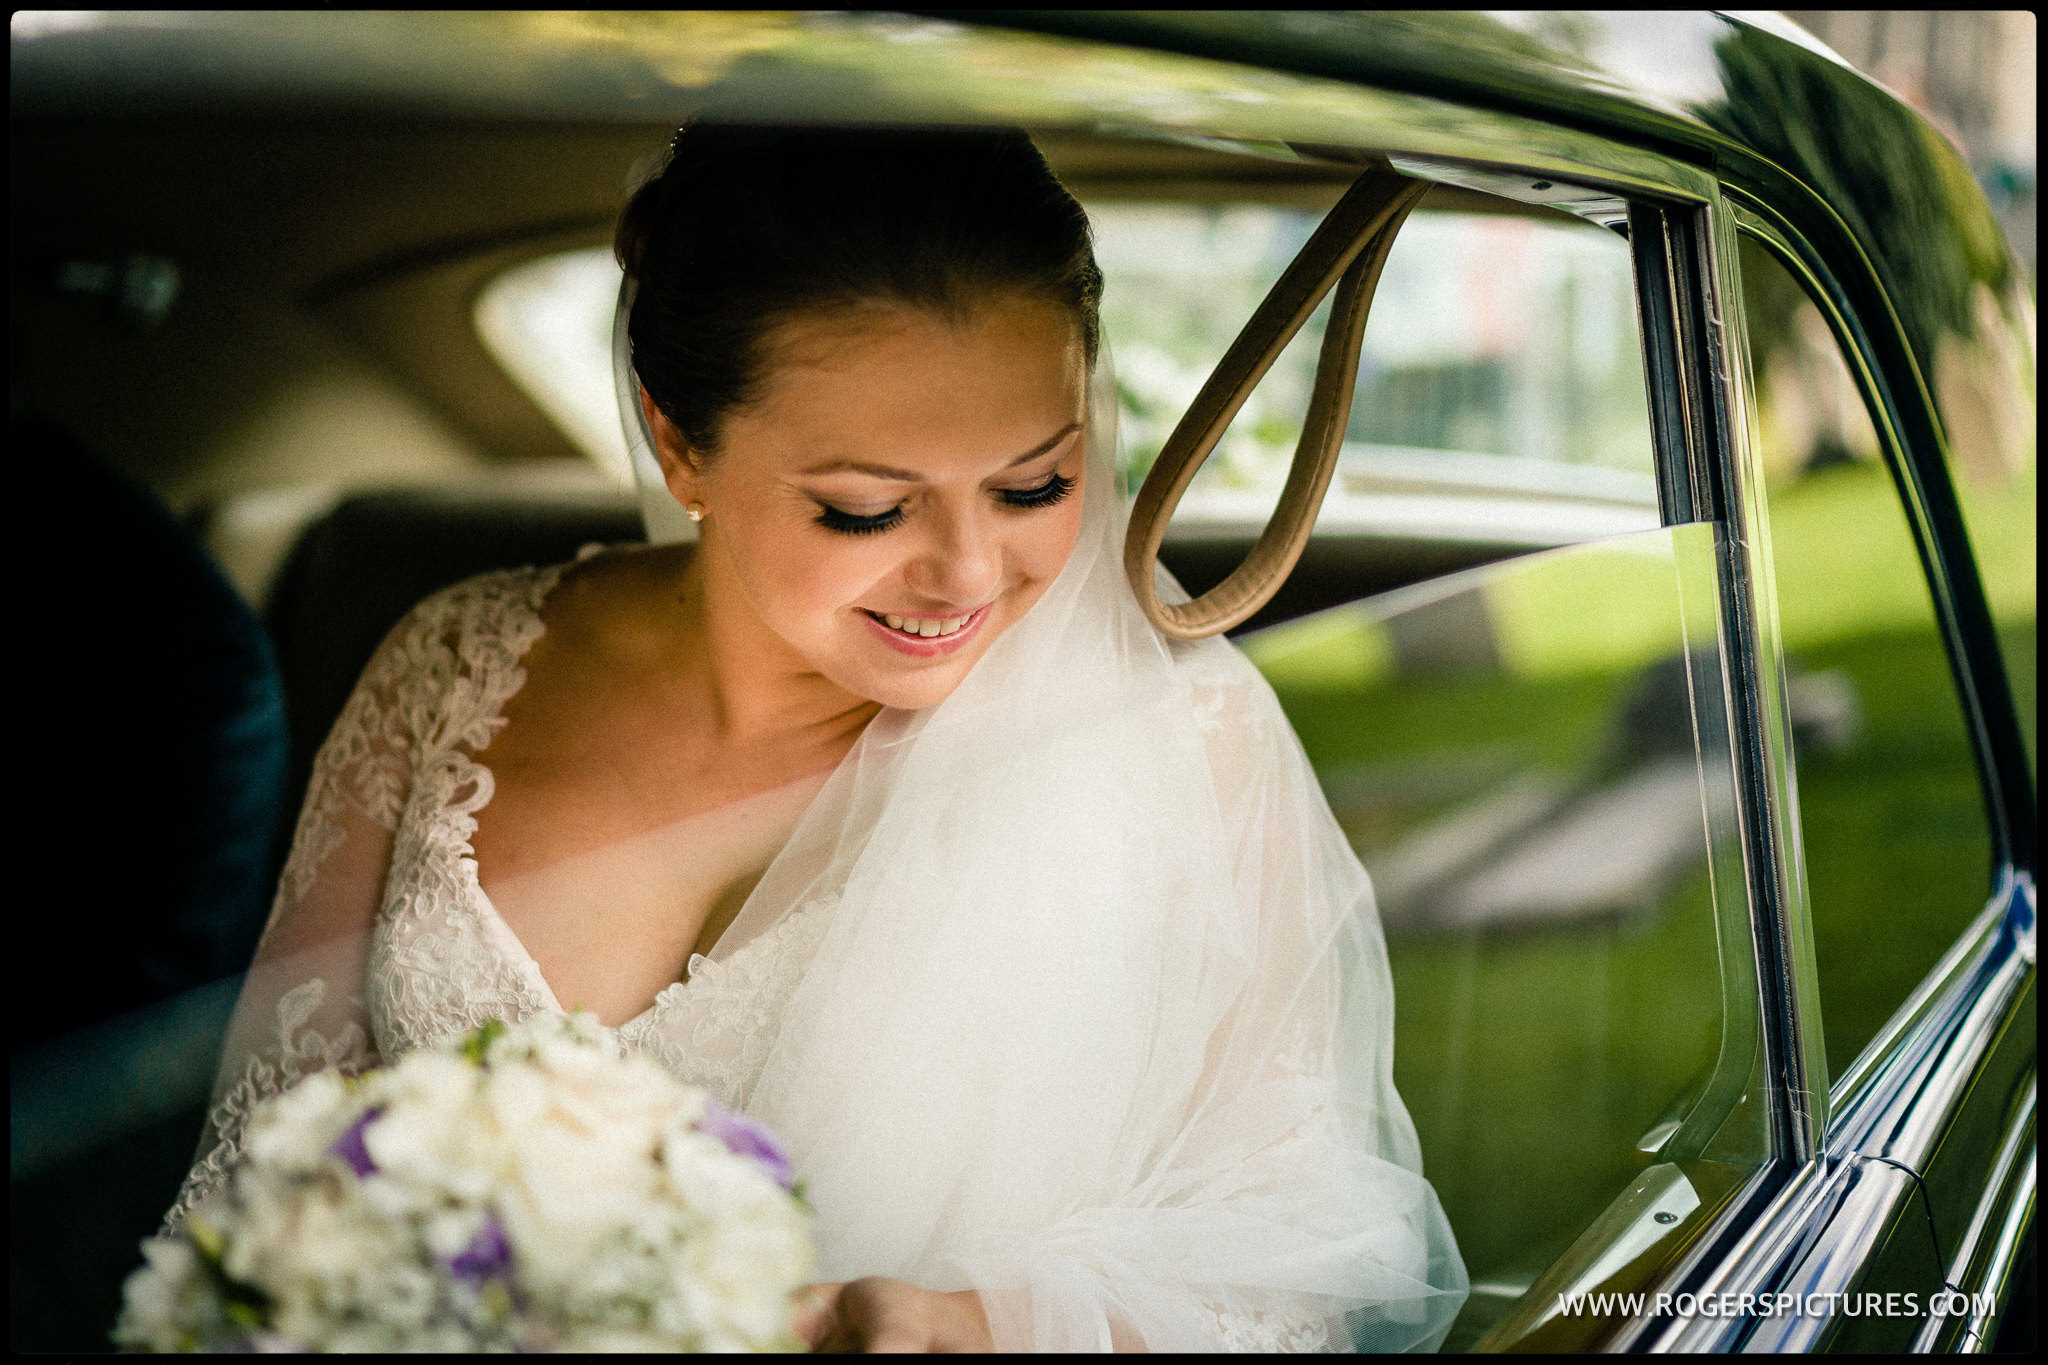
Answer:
x=927 y=646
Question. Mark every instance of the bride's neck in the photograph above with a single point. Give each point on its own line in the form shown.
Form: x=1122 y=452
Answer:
x=758 y=689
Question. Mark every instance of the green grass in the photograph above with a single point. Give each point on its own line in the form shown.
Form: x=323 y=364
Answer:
x=1896 y=843
x=1898 y=856
x=1533 y=1060
x=1532 y=1064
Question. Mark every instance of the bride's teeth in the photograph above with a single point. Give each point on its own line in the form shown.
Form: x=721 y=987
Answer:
x=913 y=625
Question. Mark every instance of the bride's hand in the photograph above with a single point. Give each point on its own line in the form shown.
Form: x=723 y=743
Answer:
x=876 y=1314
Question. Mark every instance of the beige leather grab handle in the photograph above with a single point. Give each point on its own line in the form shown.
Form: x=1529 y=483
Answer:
x=1348 y=250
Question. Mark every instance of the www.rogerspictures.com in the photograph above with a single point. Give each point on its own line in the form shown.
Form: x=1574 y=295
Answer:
x=1945 y=1303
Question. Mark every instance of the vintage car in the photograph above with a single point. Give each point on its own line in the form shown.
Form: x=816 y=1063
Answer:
x=1665 y=646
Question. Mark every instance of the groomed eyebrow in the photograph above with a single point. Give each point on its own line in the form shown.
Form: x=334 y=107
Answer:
x=882 y=471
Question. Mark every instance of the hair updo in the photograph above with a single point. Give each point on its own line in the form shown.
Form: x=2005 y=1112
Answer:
x=746 y=226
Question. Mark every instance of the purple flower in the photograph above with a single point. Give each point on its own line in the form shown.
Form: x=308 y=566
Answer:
x=744 y=1137
x=487 y=1256
x=350 y=1146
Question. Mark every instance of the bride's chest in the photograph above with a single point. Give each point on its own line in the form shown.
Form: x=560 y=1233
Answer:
x=444 y=959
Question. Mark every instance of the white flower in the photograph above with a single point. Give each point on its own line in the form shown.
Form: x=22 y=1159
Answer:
x=529 y=1187
x=426 y=1126
x=294 y=1130
x=166 y=1306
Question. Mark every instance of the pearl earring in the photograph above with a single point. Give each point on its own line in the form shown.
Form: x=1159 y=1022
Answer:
x=696 y=511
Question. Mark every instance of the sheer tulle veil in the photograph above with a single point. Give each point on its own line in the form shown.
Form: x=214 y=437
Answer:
x=1098 y=1020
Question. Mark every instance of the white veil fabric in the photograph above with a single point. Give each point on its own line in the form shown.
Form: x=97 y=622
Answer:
x=1098 y=1022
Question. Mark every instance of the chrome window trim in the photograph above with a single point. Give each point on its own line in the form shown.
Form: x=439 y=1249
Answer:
x=1776 y=866
x=1814 y=1233
x=1990 y=1249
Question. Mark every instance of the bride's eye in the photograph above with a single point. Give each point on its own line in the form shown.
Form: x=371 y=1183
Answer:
x=1045 y=495
x=852 y=524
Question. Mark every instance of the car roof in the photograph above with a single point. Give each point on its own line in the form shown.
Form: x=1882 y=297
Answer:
x=1745 y=92
x=1776 y=115
x=1647 y=77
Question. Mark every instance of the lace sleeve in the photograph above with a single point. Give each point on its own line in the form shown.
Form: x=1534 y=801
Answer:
x=302 y=1003
x=1288 y=1212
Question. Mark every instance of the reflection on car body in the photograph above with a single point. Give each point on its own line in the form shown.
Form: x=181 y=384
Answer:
x=1665 y=647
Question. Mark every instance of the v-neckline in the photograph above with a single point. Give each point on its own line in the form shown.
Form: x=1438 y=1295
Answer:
x=521 y=956
x=463 y=828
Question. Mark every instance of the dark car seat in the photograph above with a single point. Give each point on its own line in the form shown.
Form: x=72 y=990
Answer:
x=149 y=755
x=361 y=567
x=149 y=749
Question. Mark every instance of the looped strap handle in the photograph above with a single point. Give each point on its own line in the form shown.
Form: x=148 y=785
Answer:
x=1347 y=251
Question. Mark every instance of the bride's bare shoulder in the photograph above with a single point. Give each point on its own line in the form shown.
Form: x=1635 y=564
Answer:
x=620 y=600
x=608 y=597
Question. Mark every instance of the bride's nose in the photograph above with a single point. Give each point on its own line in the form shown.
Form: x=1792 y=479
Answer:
x=960 y=562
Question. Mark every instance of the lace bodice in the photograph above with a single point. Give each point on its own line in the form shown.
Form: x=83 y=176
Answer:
x=440 y=959
x=382 y=939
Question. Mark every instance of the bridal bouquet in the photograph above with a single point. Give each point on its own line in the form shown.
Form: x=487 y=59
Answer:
x=523 y=1188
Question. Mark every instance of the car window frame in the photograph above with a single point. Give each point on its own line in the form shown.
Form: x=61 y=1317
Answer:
x=1683 y=233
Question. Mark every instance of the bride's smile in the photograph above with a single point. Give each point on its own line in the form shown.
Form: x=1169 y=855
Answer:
x=922 y=637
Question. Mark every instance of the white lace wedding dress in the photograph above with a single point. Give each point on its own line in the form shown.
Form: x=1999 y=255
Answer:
x=1132 y=1083
x=384 y=840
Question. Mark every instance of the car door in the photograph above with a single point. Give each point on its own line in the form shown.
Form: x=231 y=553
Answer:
x=1889 y=908
x=1905 y=864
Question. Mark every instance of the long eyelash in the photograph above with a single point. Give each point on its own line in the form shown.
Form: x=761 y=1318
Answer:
x=852 y=524
x=848 y=524
x=1045 y=495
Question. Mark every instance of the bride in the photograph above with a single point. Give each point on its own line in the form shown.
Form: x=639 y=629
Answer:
x=885 y=813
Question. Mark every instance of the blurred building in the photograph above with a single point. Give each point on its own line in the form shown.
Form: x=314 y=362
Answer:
x=1972 y=73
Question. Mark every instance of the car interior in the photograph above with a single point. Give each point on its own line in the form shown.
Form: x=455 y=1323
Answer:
x=259 y=338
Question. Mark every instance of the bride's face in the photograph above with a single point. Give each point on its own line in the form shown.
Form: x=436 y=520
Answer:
x=903 y=489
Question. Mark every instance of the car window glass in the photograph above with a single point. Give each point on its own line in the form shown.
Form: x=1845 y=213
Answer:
x=1500 y=392
x=1531 y=757
x=1893 y=831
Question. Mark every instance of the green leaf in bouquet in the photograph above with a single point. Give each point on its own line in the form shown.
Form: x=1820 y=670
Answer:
x=245 y=1305
x=494 y=1299
x=206 y=1237
x=477 y=1045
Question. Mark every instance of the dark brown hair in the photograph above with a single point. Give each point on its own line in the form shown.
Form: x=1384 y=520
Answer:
x=746 y=226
